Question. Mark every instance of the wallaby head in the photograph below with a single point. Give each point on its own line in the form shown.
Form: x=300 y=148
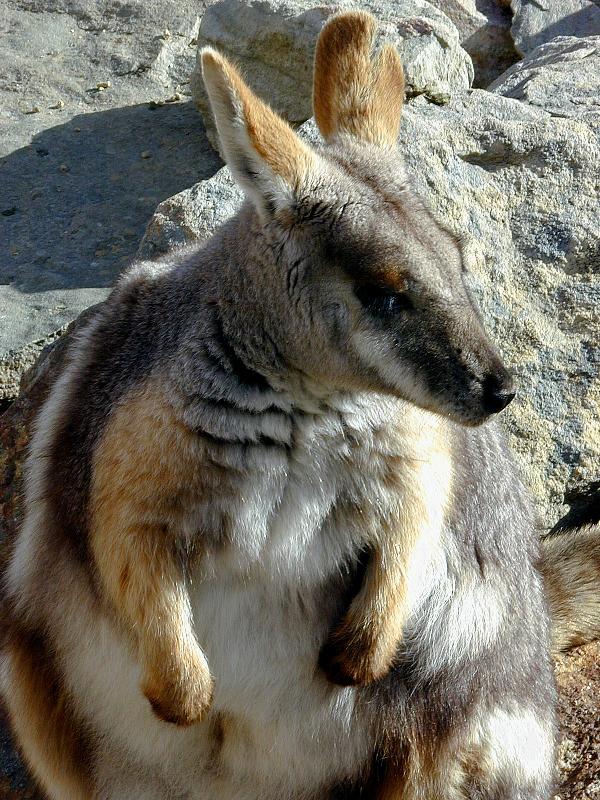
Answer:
x=362 y=287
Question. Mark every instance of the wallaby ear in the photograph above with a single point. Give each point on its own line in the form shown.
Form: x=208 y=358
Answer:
x=354 y=90
x=264 y=154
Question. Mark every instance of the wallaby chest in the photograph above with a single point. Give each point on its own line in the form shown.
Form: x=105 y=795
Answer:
x=298 y=512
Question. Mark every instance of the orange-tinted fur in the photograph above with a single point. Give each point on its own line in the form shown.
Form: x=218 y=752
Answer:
x=144 y=469
x=353 y=93
x=272 y=138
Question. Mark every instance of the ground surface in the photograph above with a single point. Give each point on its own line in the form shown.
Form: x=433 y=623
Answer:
x=81 y=176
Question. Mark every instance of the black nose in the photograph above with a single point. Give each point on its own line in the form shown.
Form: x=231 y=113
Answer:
x=498 y=391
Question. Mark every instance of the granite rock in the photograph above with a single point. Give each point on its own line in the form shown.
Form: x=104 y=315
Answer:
x=192 y=215
x=522 y=187
x=578 y=681
x=562 y=77
x=484 y=29
x=536 y=23
x=81 y=176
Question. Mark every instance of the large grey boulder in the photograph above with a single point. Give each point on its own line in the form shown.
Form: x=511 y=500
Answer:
x=273 y=42
x=535 y=22
x=521 y=187
x=562 y=76
x=484 y=29
x=192 y=215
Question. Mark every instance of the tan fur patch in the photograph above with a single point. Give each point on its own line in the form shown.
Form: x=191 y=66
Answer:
x=272 y=138
x=352 y=93
x=362 y=648
x=145 y=467
x=570 y=565
x=54 y=742
x=424 y=776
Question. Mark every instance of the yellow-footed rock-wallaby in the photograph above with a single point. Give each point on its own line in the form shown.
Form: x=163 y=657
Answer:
x=274 y=546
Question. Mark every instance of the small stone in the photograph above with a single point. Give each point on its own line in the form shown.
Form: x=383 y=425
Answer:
x=77 y=130
x=34 y=110
x=166 y=34
x=103 y=85
x=174 y=98
x=58 y=105
x=155 y=104
x=146 y=154
x=64 y=168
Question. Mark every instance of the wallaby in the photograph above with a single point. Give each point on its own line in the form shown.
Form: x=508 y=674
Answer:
x=273 y=546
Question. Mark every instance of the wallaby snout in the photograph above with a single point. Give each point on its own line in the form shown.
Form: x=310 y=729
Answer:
x=498 y=391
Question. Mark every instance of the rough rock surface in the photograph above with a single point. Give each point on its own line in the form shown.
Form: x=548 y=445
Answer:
x=535 y=22
x=81 y=176
x=273 y=42
x=484 y=29
x=562 y=77
x=523 y=186
x=192 y=215
x=578 y=679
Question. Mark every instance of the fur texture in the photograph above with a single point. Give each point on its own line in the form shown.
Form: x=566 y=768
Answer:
x=570 y=564
x=265 y=497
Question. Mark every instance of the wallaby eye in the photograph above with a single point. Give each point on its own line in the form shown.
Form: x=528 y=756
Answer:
x=383 y=302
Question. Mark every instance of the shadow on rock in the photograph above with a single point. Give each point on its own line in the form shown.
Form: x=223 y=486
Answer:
x=75 y=203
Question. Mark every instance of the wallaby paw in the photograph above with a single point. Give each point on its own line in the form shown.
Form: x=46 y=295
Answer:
x=181 y=699
x=353 y=658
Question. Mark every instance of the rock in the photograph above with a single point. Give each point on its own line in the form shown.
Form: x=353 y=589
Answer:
x=191 y=215
x=194 y=214
x=76 y=196
x=562 y=77
x=536 y=23
x=273 y=42
x=16 y=362
x=484 y=29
